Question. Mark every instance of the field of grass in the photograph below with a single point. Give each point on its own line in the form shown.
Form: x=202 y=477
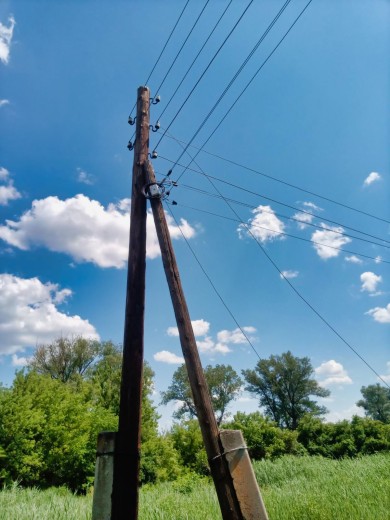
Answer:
x=293 y=489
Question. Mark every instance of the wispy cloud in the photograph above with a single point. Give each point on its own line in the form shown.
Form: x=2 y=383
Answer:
x=332 y=373
x=8 y=191
x=6 y=33
x=353 y=259
x=289 y=274
x=380 y=314
x=85 y=178
x=4 y=102
x=84 y=229
x=372 y=177
x=327 y=239
x=29 y=314
x=264 y=226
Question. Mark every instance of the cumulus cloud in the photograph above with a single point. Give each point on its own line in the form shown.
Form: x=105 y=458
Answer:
x=6 y=34
x=289 y=274
x=4 y=102
x=306 y=217
x=369 y=281
x=327 y=239
x=7 y=190
x=20 y=361
x=332 y=373
x=264 y=226
x=353 y=259
x=372 y=177
x=168 y=357
x=29 y=314
x=84 y=229
x=200 y=327
x=84 y=177
x=345 y=414
x=380 y=314
x=225 y=338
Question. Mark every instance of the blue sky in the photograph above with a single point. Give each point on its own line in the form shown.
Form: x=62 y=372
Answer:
x=316 y=116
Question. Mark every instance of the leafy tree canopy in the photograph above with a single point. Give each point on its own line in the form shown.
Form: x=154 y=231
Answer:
x=224 y=386
x=284 y=385
x=376 y=402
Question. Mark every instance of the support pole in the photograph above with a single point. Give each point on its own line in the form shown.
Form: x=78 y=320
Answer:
x=218 y=465
x=127 y=445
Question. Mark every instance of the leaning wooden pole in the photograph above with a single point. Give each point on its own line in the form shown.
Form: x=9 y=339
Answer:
x=127 y=443
x=229 y=505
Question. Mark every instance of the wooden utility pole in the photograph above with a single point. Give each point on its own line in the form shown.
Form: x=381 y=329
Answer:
x=127 y=442
x=223 y=482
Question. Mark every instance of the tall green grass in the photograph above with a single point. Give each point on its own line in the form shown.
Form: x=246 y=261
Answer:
x=293 y=488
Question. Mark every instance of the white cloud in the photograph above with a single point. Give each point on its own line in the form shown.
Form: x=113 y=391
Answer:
x=168 y=357
x=327 y=239
x=84 y=229
x=6 y=34
x=7 y=191
x=200 y=328
x=4 y=102
x=209 y=346
x=84 y=177
x=20 y=361
x=380 y=314
x=29 y=315
x=235 y=336
x=386 y=377
x=345 y=414
x=313 y=206
x=369 y=281
x=373 y=177
x=304 y=219
x=289 y=274
x=378 y=259
x=332 y=373
x=353 y=259
x=4 y=174
x=264 y=226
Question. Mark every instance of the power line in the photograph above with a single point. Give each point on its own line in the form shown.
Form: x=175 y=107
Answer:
x=238 y=72
x=204 y=72
x=194 y=60
x=271 y=212
x=250 y=81
x=213 y=285
x=282 y=233
x=276 y=201
x=292 y=286
x=182 y=47
x=257 y=172
x=163 y=49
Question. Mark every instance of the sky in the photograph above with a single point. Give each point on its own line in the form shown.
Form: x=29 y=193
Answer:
x=306 y=138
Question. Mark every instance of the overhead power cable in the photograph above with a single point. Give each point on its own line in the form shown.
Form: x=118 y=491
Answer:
x=280 y=215
x=282 y=233
x=238 y=72
x=249 y=82
x=292 y=286
x=285 y=183
x=278 y=202
x=182 y=47
x=194 y=60
x=212 y=284
x=163 y=49
x=204 y=72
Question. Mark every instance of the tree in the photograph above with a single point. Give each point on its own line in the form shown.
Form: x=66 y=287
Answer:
x=65 y=358
x=376 y=402
x=284 y=385
x=224 y=386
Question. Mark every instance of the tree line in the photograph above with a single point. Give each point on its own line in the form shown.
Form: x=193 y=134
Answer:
x=69 y=392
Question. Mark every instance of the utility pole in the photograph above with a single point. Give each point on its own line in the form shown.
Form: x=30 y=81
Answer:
x=128 y=439
x=223 y=482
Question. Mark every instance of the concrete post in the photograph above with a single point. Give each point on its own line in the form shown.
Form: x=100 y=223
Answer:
x=241 y=471
x=101 y=508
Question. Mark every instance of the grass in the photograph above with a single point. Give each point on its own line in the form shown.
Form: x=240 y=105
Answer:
x=293 y=489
